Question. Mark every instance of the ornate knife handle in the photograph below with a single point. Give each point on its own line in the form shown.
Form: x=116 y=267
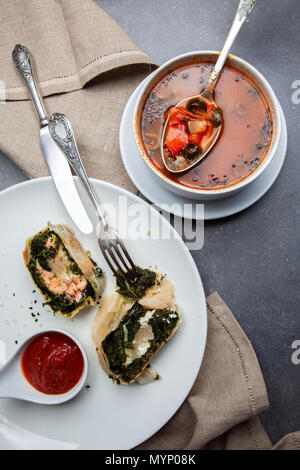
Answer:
x=62 y=133
x=22 y=60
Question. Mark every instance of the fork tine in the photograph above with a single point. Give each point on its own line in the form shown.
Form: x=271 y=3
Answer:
x=114 y=258
x=120 y=252
x=107 y=259
x=115 y=253
x=127 y=256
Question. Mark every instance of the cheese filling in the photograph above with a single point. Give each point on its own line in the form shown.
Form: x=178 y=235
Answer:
x=141 y=344
x=129 y=347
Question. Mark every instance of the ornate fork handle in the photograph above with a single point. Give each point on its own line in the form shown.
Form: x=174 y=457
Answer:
x=110 y=243
x=61 y=131
x=21 y=57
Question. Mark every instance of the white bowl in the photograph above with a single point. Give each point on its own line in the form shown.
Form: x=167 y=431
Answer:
x=263 y=86
x=13 y=383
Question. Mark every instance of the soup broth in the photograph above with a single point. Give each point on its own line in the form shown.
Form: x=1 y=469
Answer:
x=246 y=132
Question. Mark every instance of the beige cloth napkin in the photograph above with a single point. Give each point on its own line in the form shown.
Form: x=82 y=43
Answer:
x=87 y=68
x=222 y=409
x=75 y=44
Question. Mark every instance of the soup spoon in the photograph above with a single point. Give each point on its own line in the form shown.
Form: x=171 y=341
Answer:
x=206 y=97
x=13 y=383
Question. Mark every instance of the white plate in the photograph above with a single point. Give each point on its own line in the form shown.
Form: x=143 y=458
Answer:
x=108 y=416
x=144 y=180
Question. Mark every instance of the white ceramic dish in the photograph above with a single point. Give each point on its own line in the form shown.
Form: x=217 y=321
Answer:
x=106 y=416
x=143 y=179
x=260 y=82
x=14 y=385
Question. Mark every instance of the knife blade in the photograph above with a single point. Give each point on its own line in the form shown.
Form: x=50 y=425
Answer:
x=55 y=158
x=63 y=180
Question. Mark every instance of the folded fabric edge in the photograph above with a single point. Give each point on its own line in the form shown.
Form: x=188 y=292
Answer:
x=289 y=442
x=78 y=80
x=258 y=396
x=248 y=435
x=258 y=434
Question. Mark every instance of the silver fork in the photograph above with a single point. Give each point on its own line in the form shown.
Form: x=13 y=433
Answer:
x=110 y=243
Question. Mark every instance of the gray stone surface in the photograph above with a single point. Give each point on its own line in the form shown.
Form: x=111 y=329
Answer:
x=9 y=173
x=251 y=259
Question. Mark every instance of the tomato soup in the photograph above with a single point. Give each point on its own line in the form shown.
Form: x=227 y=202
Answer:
x=246 y=133
x=52 y=363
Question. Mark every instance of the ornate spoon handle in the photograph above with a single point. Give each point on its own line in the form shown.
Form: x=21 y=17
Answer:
x=244 y=9
x=62 y=133
x=21 y=57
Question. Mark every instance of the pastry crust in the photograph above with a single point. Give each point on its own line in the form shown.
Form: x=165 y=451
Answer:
x=114 y=308
x=80 y=256
x=82 y=259
x=159 y=296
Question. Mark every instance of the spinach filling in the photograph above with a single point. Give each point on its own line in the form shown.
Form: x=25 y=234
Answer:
x=41 y=254
x=136 y=282
x=39 y=250
x=97 y=270
x=163 y=322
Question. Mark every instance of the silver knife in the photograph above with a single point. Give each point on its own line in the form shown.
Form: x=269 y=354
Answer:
x=57 y=163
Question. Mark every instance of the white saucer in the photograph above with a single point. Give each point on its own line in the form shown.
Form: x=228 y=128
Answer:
x=146 y=183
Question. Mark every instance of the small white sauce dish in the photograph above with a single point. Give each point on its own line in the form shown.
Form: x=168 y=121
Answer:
x=261 y=83
x=13 y=383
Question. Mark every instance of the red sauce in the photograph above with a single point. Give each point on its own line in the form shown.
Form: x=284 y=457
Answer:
x=52 y=363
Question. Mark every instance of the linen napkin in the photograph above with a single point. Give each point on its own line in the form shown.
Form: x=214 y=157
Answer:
x=222 y=410
x=87 y=68
x=14 y=437
x=74 y=44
